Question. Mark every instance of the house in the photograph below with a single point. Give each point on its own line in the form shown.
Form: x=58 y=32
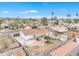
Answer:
x=34 y=22
x=9 y=21
x=4 y=25
x=68 y=49
x=28 y=34
x=32 y=33
x=59 y=32
x=27 y=27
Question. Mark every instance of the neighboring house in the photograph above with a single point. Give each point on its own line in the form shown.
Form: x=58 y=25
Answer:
x=43 y=26
x=19 y=52
x=68 y=49
x=27 y=27
x=34 y=22
x=9 y=21
x=59 y=29
x=58 y=32
x=4 y=25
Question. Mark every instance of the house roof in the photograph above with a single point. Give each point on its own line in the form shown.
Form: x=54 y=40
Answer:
x=59 y=29
x=64 y=49
x=35 y=31
x=19 y=52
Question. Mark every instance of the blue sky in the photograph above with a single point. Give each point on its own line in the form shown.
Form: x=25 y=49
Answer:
x=37 y=9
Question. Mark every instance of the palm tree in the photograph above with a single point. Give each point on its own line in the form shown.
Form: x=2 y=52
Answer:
x=76 y=19
x=52 y=15
x=69 y=18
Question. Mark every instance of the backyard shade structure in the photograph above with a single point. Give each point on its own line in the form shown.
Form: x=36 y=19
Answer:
x=63 y=50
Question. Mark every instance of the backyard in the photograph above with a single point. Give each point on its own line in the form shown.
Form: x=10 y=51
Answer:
x=43 y=47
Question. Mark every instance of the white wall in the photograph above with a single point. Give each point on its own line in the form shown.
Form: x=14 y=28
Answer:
x=77 y=40
x=25 y=37
x=63 y=37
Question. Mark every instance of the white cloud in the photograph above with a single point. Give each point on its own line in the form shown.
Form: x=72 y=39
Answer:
x=28 y=11
x=5 y=11
x=33 y=11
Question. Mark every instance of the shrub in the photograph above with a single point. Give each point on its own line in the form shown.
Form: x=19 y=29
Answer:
x=48 y=42
x=46 y=37
x=34 y=27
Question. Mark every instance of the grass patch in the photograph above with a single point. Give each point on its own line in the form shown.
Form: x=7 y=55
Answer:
x=27 y=46
x=49 y=42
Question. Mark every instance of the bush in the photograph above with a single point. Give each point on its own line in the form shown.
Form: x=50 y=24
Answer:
x=48 y=42
x=34 y=27
x=26 y=46
x=46 y=37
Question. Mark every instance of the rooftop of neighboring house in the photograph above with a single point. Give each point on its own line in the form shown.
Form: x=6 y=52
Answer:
x=35 y=31
x=19 y=52
x=64 y=49
x=73 y=33
x=59 y=28
x=9 y=21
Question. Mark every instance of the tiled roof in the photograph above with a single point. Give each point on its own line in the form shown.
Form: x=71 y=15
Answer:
x=35 y=31
x=20 y=52
x=64 y=49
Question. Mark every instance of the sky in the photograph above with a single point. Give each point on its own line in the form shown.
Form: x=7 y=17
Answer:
x=38 y=9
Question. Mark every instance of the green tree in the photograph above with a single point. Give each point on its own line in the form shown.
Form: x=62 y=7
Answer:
x=44 y=21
